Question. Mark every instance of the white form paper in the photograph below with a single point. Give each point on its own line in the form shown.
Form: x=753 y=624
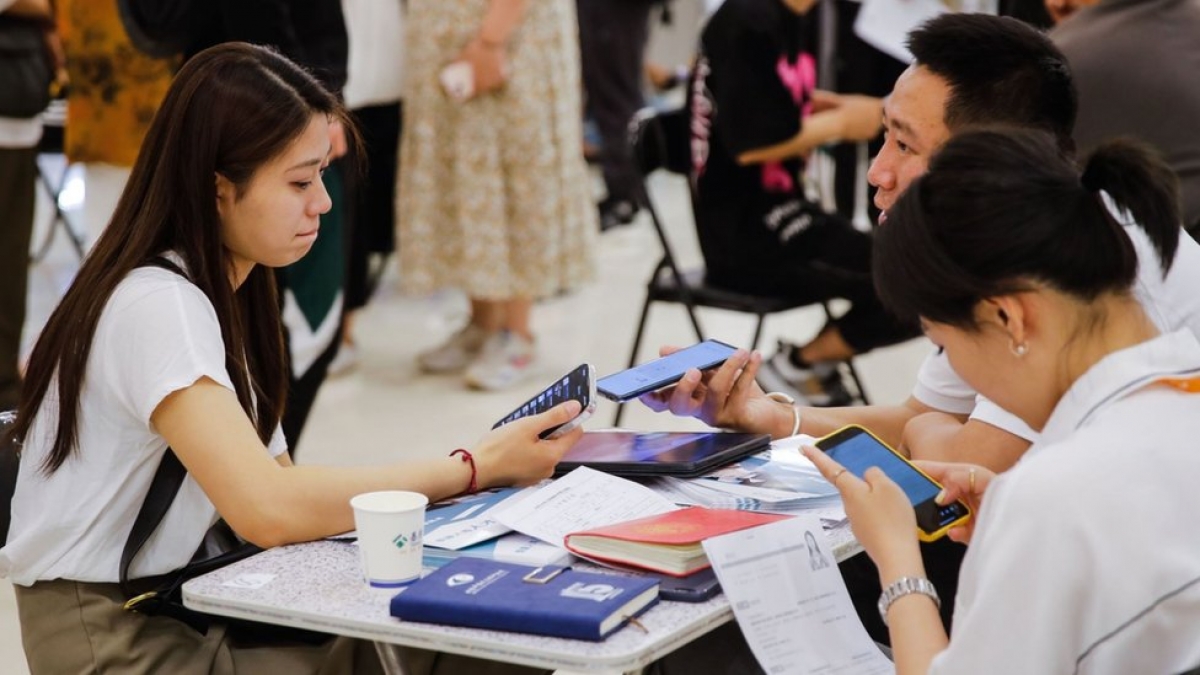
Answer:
x=581 y=500
x=790 y=600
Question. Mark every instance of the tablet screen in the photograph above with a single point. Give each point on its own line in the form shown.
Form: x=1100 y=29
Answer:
x=660 y=453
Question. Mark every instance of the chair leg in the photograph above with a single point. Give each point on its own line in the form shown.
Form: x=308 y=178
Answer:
x=862 y=393
x=637 y=343
x=758 y=329
x=691 y=311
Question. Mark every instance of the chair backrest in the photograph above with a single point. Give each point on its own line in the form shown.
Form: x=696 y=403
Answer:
x=661 y=140
x=10 y=460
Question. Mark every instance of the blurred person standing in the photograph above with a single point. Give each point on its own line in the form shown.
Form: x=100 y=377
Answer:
x=313 y=34
x=374 y=83
x=612 y=41
x=1137 y=66
x=114 y=92
x=494 y=193
x=26 y=71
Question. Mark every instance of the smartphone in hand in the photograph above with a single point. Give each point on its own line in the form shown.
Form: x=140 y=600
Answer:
x=458 y=81
x=858 y=450
x=665 y=371
x=579 y=384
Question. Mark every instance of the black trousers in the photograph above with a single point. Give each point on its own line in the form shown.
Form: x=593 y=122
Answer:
x=372 y=205
x=612 y=43
x=831 y=259
x=18 y=184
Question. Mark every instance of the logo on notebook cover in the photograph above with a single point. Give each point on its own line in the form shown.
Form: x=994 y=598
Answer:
x=597 y=592
x=460 y=579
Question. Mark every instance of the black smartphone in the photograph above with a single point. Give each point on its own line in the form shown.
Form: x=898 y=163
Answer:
x=579 y=384
x=695 y=587
x=665 y=371
x=858 y=450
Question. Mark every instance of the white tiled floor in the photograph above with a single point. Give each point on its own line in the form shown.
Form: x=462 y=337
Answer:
x=387 y=410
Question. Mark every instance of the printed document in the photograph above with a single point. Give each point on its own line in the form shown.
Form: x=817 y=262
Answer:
x=790 y=600
x=584 y=499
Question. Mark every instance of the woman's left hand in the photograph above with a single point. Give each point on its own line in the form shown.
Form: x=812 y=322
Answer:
x=881 y=515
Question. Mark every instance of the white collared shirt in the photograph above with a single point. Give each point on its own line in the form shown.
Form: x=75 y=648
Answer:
x=1171 y=303
x=1086 y=554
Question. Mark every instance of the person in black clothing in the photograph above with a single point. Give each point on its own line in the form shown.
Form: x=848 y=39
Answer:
x=756 y=114
x=612 y=46
x=311 y=33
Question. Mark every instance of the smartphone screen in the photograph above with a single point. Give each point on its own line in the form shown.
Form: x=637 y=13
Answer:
x=664 y=371
x=858 y=450
x=579 y=384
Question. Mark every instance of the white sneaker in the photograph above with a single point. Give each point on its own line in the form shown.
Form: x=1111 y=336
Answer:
x=818 y=385
x=345 y=361
x=455 y=353
x=506 y=359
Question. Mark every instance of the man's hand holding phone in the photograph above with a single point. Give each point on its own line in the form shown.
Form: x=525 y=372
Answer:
x=515 y=454
x=727 y=397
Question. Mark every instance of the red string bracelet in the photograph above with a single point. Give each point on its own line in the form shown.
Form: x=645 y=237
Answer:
x=467 y=457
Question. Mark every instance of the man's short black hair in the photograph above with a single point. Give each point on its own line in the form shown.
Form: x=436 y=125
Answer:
x=1000 y=71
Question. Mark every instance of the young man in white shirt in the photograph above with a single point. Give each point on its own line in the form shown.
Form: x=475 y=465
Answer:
x=969 y=70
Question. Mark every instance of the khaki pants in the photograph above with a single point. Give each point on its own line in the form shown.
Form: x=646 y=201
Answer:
x=71 y=627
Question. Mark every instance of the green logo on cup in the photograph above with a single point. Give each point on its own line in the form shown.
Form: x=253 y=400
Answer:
x=400 y=541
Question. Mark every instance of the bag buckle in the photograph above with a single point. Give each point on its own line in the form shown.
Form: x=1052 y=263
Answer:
x=132 y=604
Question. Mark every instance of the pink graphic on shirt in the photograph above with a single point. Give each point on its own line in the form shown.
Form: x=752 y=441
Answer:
x=800 y=79
x=775 y=178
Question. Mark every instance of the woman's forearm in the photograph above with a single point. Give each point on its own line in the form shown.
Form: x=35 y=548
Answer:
x=914 y=624
x=501 y=20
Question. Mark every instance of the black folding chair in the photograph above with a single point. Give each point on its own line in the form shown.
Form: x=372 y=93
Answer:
x=50 y=152
x=10 y=460
x=660 y=141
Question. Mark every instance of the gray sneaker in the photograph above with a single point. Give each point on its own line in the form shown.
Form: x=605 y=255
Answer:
x=506 y=359
x=456 y=353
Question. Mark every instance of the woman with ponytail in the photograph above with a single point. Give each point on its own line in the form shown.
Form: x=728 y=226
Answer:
x=1084 y=557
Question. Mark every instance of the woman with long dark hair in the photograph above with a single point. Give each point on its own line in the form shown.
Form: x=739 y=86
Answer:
x=1083 y=557
x=169 y=340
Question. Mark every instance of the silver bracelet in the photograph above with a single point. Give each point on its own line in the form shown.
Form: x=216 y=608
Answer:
x=906 y=586
x=784 y=398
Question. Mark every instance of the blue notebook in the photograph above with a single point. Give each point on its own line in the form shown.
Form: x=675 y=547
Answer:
x=550 y=600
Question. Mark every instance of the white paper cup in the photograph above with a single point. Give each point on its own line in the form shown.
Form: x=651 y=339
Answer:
x=390 y=528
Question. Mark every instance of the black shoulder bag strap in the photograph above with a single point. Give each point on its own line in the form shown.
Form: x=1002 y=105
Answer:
x=219 y=548
x=163 y=488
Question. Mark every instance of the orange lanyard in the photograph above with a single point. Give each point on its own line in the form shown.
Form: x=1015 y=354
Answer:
x=1189 y=385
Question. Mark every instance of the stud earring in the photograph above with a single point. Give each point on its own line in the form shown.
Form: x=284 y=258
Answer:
x=1018 y=350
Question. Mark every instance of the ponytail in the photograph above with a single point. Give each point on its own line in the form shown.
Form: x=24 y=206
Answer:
x=1141 y=184
x=1002 y=210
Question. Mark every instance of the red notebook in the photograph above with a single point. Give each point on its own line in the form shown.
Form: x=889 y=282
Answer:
x=669 y=543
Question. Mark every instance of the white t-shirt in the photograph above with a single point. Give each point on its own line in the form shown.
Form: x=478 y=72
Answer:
x=157 y=334
x=1171 y=303
x=1086 y=554
x=375 y=65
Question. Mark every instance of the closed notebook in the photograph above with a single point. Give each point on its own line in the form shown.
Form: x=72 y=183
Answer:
x=669 y=542
x=557 y=601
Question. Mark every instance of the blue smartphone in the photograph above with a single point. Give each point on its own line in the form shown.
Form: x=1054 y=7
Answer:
x=858 y=450
x=665 y=371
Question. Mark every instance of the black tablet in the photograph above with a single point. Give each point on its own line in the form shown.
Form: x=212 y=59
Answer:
x=682 y=454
